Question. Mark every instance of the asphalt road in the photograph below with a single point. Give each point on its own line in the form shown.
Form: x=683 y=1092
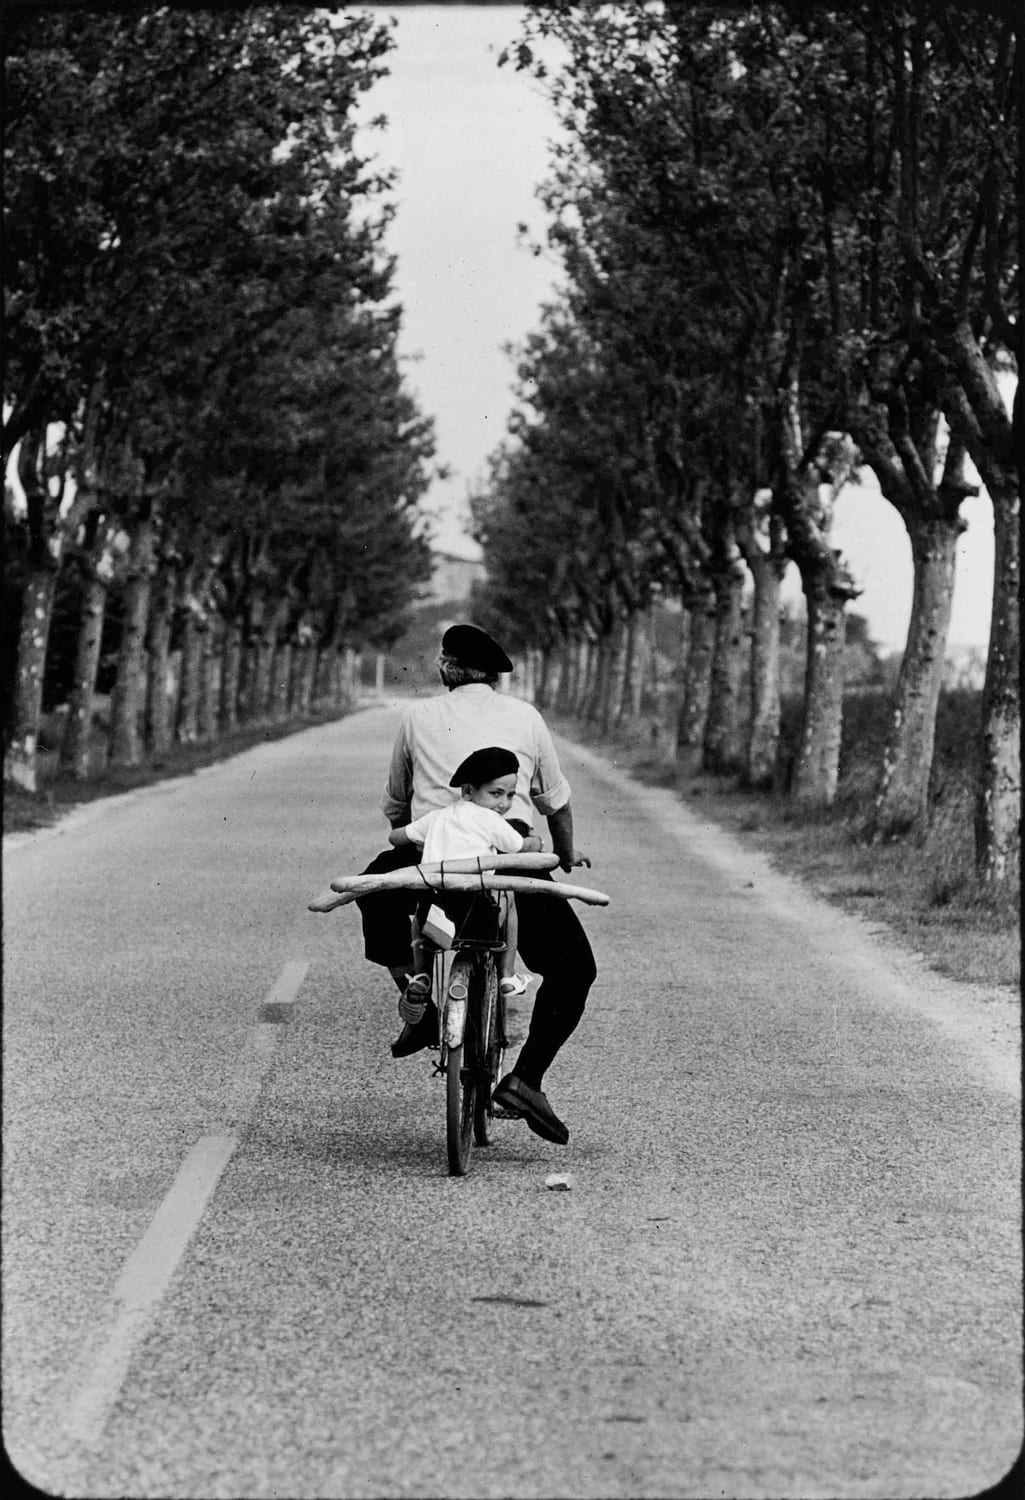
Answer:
x=235 y=1265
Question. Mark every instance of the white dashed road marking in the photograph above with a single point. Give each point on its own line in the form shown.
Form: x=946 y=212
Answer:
x=146 y=1275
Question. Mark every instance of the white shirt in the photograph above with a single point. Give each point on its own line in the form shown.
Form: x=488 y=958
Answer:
x=436 y=734
x=463 y=829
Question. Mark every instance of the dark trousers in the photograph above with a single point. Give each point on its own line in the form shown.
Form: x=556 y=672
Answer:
x=552 y=943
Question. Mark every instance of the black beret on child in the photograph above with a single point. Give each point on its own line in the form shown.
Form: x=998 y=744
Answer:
x=484 y=766
x=473 y=647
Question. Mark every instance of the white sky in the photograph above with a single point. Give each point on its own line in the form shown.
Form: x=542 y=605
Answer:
x=470 y=143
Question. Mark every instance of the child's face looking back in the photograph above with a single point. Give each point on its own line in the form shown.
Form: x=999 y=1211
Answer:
x=497 y=794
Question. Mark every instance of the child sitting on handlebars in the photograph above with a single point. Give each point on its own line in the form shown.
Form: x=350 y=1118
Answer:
x=475 y=824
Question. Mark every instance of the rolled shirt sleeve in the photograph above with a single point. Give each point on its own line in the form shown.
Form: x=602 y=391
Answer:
x=418 y=830
x=507 y=840
x=549 y=789
x=398 y=790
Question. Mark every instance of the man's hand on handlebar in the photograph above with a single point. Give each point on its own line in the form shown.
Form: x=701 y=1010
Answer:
x=561 y=825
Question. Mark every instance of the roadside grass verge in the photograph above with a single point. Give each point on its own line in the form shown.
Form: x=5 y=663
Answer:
x=923 y=891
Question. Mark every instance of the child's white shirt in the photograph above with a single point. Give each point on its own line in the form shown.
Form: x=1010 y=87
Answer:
x=461 y=831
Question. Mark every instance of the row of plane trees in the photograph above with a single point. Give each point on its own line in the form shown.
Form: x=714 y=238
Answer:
x=789 y=242
x=214 y=457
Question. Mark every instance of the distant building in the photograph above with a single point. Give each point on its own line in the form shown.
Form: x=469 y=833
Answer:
x=453 y=578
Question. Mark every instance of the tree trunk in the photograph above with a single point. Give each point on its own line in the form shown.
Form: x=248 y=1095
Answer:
x=160 y=707
x=263 y=668
x=46 y=540
x=280 y=682
x=576 y=660
x=816 y=772
x=96 y=582
x=902 y=796
x=302 y=678
x=277 y=665
x=539 y=672
x=669 y=696
x=721 y=752
x=323 y=674
x=230 y=672
x=210 y=680
x=187 y=728
x=828 y=588
x=328 y=678
x=899 y=438
x=250 y=659
x=351 y=677
x=567 y=677
x=626 y=670
x=341 y=676
x=578 y=674
x=525 y=672
x=310 y=685
x=52 y=520
x=547 y=689
x=595 y=664
x=596 y=711
x=697 y=684
x=998 y=796
x=612 y=695
x=640 y=681
x=590 y=676
x=763 y=734
x=281 y=664
x=976 y=412
x=296 y=679
x=611 y=690
x=20 y=760
x=128 y=700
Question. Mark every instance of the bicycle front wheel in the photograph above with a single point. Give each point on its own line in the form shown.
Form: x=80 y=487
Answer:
x=488 y=1048
x=461 y=1072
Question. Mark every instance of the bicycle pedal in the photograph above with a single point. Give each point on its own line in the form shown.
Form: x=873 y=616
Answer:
x=503 y=1114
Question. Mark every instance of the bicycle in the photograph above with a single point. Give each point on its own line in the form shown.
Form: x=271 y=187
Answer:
x=472 y=1036
x=471 y=1039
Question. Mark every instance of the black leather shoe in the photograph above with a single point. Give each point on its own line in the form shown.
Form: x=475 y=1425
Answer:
x=519 y=1098
x=415 y=1038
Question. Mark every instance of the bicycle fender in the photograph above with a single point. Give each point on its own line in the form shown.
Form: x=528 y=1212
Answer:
x=455 y=1014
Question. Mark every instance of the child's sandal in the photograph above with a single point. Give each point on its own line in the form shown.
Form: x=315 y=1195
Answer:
x=414 y=998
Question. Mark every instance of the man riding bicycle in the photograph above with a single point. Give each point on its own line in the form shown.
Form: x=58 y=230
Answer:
x=435 y=735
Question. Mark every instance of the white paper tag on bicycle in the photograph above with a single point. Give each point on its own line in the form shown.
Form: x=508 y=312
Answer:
x=438 y=928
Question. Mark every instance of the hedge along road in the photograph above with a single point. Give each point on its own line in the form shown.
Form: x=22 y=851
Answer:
x=235 y=1264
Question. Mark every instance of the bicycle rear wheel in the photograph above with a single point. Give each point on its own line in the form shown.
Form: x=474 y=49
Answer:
x=462 y=1072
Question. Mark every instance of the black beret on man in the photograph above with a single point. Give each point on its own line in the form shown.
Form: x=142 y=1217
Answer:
x=473 y=647
x=485 y=765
